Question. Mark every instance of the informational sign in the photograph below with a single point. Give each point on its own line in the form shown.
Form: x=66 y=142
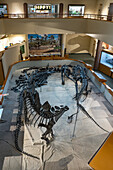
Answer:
x=42 y=7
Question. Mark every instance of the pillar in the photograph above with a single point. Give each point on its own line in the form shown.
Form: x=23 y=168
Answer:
x=63 y=44
x=98 y=55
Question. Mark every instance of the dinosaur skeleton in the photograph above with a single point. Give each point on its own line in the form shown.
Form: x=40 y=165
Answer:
x=35 y=113
x=78 y=75
x=44 y=115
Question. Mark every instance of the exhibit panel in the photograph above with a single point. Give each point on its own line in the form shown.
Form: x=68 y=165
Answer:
x=76 y=9
x=44 y=44
x=106 y=62
x=43 y=10
x=3 y=10
x=107 y=59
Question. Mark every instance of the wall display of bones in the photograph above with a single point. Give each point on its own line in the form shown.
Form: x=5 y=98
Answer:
x=44 y=115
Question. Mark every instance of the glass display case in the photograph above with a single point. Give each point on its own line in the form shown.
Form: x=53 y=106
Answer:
x=76 y=10
x=107 y=59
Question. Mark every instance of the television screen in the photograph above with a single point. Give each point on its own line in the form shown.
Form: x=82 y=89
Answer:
x=3 y=9
x=44 y=44
x=76 y=10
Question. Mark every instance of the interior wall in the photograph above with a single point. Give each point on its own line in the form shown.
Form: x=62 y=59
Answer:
x=2 y=28
x=11 y=39
x=78 y=43
x=93 y=46
x=105 y=6
x=11 y=55
x=4 y=42
x=17 y=6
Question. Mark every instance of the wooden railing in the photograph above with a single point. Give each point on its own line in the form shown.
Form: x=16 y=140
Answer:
x=54 y=15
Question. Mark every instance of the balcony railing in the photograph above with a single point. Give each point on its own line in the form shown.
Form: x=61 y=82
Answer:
x=45 y=15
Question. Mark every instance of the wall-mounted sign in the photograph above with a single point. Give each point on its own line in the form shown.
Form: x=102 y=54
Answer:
x=42 y=7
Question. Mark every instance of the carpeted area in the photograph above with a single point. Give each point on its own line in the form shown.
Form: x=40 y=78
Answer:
x=86 y=57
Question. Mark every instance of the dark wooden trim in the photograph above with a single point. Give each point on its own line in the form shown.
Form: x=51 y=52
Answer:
x=2 y=70
x=107 y=51
x=98 y=55
x=61 y=5
x=76 y=4
x=25 y=10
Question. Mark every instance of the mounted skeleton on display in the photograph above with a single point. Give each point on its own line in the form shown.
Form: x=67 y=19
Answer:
x=44 y=115
x=78 y=75
x=35 y=113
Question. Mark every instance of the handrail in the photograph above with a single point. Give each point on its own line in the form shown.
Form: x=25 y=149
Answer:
x=55 y=15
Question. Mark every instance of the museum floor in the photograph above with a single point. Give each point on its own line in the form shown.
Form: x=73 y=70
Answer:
x=68 y=150
x=87 y=58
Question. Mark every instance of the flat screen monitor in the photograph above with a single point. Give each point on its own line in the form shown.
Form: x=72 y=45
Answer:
x=3 y=9
x=106 y=59
x=75 y=10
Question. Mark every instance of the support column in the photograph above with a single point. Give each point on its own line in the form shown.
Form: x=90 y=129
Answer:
x=27 y=45
x=98 y=55
x=110 y=12
x=25 y=10
x=63 y=44
x=61 y=10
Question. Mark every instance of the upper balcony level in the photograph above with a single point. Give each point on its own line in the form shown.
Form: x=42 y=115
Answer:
x=97 y=26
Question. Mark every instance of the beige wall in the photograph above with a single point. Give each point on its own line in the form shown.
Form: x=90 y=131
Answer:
x=10 y=56
x=42 y=26
x=93 y=46
x=17 y=6
x=78 y=43
x=101 y=30
x=11 y=39
x=3 y=42
x=2 y=28
x=105 y=5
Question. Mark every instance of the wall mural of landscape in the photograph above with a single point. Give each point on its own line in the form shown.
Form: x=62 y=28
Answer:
x=44 y=44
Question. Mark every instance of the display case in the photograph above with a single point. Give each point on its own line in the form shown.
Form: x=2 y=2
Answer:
x=106 y=62
x=76 y=9
x=3 y=10
x=107 y=58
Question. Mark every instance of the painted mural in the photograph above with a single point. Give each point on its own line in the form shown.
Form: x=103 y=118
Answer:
x=44 y=44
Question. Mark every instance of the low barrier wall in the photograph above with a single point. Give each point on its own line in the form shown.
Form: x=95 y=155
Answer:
x=99 y=82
